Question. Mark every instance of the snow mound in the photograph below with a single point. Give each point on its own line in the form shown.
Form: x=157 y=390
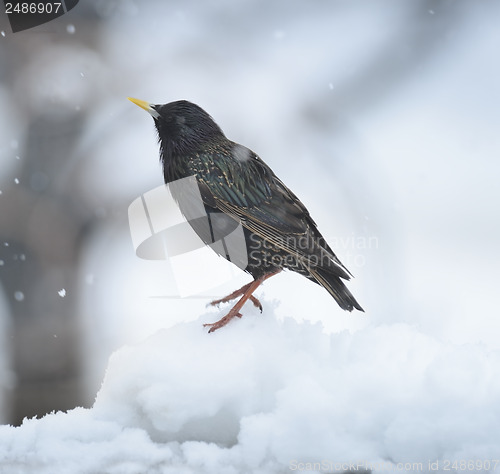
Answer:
x=268 y=396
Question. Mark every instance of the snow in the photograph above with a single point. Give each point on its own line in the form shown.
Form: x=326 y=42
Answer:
x=19 y=296
x=264 y=395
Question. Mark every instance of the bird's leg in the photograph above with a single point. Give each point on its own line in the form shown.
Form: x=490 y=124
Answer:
x=235 y=294
x=246 y=291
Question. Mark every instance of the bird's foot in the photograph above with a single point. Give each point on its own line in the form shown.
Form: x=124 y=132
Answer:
x=235 y=295
x=246 y=293
x=223 y=321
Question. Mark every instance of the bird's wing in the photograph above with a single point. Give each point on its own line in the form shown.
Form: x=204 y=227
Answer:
x=247 y=189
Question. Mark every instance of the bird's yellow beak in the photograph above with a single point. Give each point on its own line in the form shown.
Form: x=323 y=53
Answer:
x=145 y=105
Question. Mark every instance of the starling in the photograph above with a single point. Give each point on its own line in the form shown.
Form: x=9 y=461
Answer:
x=238 y=188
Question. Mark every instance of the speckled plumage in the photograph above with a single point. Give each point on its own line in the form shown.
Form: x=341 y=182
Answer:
x=238 y=186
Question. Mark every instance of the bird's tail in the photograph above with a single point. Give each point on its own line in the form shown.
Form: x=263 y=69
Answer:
x=335 y=286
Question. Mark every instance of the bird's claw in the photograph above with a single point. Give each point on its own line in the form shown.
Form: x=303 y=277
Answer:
x=221 y=322
x=215 y=302
x=252 y=298
x=256 y=302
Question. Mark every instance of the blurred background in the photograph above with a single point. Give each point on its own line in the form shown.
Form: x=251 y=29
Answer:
x=381 y=115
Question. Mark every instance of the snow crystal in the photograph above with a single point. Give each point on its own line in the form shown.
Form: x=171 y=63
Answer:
x=265 y=396
x=71 y=29
x=2 y=33
x=19 y=296
x=241 y=153
x=62 y=292
x=16 y=180
x=1 y=262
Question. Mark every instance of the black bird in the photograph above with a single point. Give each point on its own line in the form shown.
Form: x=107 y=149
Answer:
x=237 y=187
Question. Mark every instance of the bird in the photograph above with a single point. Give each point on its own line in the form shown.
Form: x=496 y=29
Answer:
x=238 y=188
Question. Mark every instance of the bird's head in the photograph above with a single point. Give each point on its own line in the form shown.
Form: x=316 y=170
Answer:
x=182 y=126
